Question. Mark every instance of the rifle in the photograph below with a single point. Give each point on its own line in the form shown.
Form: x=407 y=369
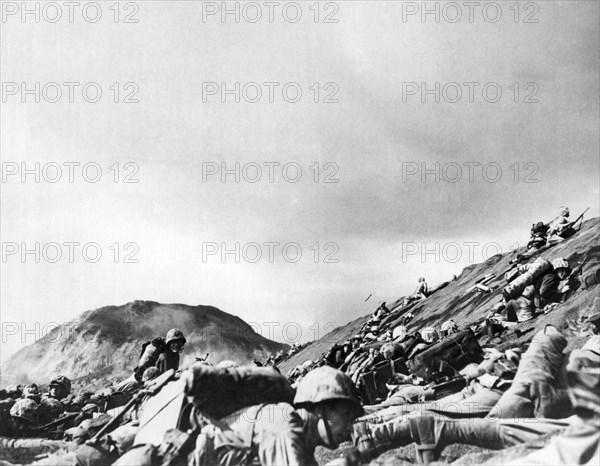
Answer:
x=153 y=387
x=578 y=218
x=57 y=422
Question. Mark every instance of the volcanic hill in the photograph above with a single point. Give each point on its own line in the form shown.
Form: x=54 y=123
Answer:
x=105 y=343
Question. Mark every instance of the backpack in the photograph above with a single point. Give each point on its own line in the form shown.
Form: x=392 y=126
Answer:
x=446 y=356
x=215 y=393
x=149 y=354
x=539 y=228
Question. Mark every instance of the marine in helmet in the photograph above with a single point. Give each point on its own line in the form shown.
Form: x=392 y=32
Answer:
x=324 y=407
x=32 y=392
x=49 y=409
x=174 y=343
x=23 y=418
x=60 y=387
x=430 y=335
x=545 y=286
x=421 y=292
x=560 y=228
x=162 y=353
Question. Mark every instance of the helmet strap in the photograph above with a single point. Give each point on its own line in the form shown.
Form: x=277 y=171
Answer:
x=323 y=415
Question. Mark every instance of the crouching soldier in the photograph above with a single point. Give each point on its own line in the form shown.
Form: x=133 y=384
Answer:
x=560 y=228
x=541 y=284
x=270 y=434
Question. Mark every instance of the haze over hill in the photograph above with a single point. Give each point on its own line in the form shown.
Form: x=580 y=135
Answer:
x=105 y=343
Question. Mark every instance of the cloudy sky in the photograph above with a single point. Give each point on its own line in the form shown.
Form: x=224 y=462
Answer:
x=361 y=120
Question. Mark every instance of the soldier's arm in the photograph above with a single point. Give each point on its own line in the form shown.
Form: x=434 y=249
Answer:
x=281 y=440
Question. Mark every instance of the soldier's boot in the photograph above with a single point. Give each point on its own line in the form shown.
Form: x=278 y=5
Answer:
x=549 y=402
x=433 y=435
x=373 y=439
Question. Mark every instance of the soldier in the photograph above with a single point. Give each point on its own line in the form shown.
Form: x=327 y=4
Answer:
x=49 y=409
x=60 y=387
x=162 y=353
x=32 y=392
x=169 y=359
x=23 y=419
x=530 y=408
x=275 y=434
x=561 y=228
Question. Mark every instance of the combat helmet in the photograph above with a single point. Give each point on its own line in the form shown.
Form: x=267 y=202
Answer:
x=560 y=263
x=25 y=408
x=49 y=409
x=327 y=384
x=62 y=381
x=173 y=335
x=430 y=335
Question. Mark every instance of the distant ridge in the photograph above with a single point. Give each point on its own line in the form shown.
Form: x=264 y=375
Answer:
x=105 y=343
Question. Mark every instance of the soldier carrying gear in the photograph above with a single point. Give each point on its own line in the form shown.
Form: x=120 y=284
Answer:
x=561 y=228
x=161 y=352
x=60 y=387
x=169 y=359
x=174 y=335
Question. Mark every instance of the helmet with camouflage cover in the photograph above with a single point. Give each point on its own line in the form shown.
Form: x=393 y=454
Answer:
x=26 y=409
x=49 y=409
x=327 y=384
x=150 y=373
x=560 y=263
x=430 y=335
x=62 y=381
x=173 y=335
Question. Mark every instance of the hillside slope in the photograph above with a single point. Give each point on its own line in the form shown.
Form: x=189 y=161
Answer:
x=471 y=308
x=468 y=308
x=105 y=343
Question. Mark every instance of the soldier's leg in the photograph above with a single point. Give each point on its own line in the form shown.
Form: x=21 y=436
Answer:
x=433 y=435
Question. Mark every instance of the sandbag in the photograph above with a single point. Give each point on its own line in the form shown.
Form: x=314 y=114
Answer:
x=218 y=391
x=455 y=352
x=538 y=268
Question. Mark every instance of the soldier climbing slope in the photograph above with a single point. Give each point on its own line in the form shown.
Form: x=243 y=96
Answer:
x=162 y=353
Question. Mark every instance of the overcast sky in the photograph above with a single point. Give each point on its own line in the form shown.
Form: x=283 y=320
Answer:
x=376 y=214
